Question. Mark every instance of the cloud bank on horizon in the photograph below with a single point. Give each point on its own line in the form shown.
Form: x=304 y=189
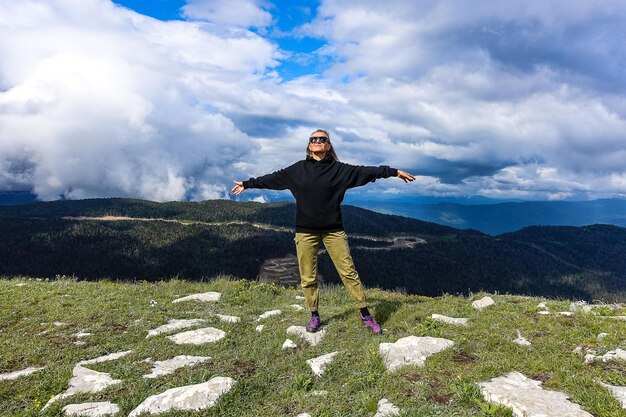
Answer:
x=506 y=100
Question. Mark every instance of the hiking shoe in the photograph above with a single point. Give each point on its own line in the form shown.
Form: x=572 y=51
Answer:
x=371 y=324
x=314 y=324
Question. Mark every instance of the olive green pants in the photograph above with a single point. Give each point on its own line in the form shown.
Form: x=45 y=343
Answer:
x=336 y=243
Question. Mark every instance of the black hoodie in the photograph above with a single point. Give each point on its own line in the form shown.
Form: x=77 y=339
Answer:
x=319 y=187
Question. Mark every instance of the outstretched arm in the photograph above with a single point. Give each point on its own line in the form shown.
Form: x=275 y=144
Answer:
x=279 y=180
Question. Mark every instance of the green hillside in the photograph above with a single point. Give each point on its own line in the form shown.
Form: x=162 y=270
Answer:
x=155 y=241
x=41 y=320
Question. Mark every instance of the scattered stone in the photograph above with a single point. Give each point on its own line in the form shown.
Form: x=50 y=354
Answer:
x=174 y=325
x=450 y=320
x=608 y=356
x=565 y=313
x=16 y=374
x=319 y=393
x=21 y=284
x=299 y=297
x=618 y=392
x=297 y=307
x=188 y=398
x=91 y=409
x=228 y=319
x=386 y=409
x=289 y=344
x=80 y=343
x=578 y=350
x=521 y=340
x=542 y=306
x=483 y=303
x=203 y=297
x=59 y=324
x=85 y=381
x=105 y=358
x=269 y=314
x=601 y=336
x=259 y=328
x=168 y=366
x=411 y=350
x=318 y=365
x=577 y=306
x=303 y=415
x=312 y=338
x=616 y=317
x=198 y=337
x=82 y=334
x=544 y=312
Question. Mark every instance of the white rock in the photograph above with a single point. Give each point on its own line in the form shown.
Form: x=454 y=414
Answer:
x=80 y=343
x=450 y=320
x=580 y=306
x=106 y=358
x=269 y=314
x=189 y=398
x=601 y=336
x=17 y=374
x=616 y=317
x=198 y=337
x=228 y=319
x=21 y=284
x=483 y=303
x=578 y=350
x=82 y=334
x=299 y=297
x=168 y=366
x=386 y=409
x=203 y=297
x=173 y=325
x=259 y=328
x=565 y=313
x=608 y=356
x=542 y=306
x=319 y=393
x=59 y=324
x=411 y=350
x=85 y=381
x=618 y=392
x=543 y=313
x=91 y=409
x=318 y=365
x=297 y=307
x=526 y=398
x=303 y=415
x=521 y=340
x=312 y=338
x=289 y=344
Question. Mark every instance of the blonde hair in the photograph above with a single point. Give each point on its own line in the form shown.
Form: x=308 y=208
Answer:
x=331 y=151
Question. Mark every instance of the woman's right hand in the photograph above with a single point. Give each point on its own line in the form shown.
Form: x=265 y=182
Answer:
x=238 y=188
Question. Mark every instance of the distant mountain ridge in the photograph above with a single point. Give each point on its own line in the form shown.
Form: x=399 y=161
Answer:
x=225 y=237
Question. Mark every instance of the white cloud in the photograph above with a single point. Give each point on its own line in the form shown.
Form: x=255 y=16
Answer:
x=243 y=13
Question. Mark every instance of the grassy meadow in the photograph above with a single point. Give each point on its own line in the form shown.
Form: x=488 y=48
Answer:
x=271 y=382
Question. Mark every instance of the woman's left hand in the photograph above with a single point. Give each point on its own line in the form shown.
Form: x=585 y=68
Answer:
x=405 y=176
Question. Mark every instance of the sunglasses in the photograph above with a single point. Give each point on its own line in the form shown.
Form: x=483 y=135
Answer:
x=318 y=139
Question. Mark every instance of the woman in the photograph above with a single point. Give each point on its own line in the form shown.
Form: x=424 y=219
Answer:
x=319 y=183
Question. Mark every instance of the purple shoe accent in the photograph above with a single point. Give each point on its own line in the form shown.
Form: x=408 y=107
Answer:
x=371 y=324
x=314 y=324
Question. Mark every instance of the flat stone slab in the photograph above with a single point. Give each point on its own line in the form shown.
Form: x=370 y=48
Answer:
x=85 y=381
x=319 y=364
x=618 y=392
x=160 y=368
x=188 y=398
x=521 y=340
x=202 y=297
x=297 y=307
x=105 y=358
x=92 y=409
x=82 y=334
x=198 y=337
x=617 y=354
x=228 y=319
x=527 y=399
x=16 y=374
x=269 y=314
x=386 y=409
x=289 y=344
x=312 y=338
x=450 y=320
x=411 y=350
x=483 y=303
x=173 y=325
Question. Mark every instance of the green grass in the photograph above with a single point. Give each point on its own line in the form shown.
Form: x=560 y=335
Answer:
x=275 y=383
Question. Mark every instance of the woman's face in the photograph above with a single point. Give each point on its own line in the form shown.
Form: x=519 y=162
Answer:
x=317 y=146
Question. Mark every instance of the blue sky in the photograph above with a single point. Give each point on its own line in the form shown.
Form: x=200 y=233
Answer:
x=173 y=100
